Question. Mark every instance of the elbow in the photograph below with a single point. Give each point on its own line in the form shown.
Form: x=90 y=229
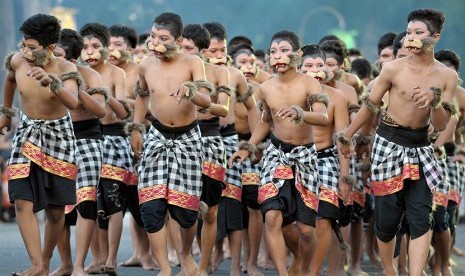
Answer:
x=324 y=120
x=74 y=104
x=223 y=112
x=101 y=113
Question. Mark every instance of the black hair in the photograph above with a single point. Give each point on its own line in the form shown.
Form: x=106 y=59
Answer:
x=260 y=54
x=450 y=56
x=72 y=43
x=433 y=19
x=97 y=30
x=216 y=30
x=129 y=34
x=171 y=22
x=362 y=68
x=42 y=27
x=242 y=48
x=336 y=48
x=354 y=52
x=236 y=41
x=397 y=43
x=385 y=41
x=198 y=34
x=313 y=50
x=327 y=38
x=288 y=36
x=142 y=38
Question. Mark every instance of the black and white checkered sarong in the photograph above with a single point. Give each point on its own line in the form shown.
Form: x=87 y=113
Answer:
x=172 y=169
x=213 y=157
x=89 y=160
x=117 y=161
x=443 y=186
x=304 y=159
x=328 y=169
x=48 y=143
x=393 y=161
x=233 y=175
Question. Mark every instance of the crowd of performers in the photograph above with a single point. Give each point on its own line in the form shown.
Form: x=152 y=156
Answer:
x=201 y=139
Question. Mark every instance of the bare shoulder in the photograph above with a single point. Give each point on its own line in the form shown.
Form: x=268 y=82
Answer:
x=65 y=66
x=116 y=71
x=219 y=70
x=89 y=74
x=147 y=62
x=444 y=70
x=16 y=60
x=460 y=95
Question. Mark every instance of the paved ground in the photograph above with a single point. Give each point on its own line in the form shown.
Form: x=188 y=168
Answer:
x=14 y=256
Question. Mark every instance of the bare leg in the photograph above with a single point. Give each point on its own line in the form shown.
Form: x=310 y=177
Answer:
x=235 y=241
x=356 y=247
x=54 y=224
x=307 y=246
x=275 y=240
x=29 y=229
x=84 y=231
x=144 y=256
x=135 y=242
x=291 y=239
x=255 y=235
x=323 y=242
x=403 y=262
x=338 y=257
x=418 y=253
x=103 y=245
x=158 y=245
x=208 y=238
x=94 y=266
x=188 y=265
x=245 y=249
x=386 y=252
x=370 y=243
x=218 y=254
x=115 y=228
x=64 y=250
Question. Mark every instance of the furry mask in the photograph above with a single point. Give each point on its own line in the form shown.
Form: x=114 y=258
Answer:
x=120 y=55
x=249 y=72
x=169 y=50
x=426 y=44
x=292 y=60
x=218 y=61
x=320 y=75
x=100 y=55
x=338 y=74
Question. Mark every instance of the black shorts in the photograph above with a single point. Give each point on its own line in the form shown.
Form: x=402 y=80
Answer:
x=250 y=196
x=328 y=210
x=87 y=209
x=43 y=189
x=415 y=200
x=111 y=197
x=132 y=204
x=153 y=215
x=440 y=219
x=290 y=203
x=229 y=217
x=211 y=190
x=346 y=213
x=452 y=216
x=359 y=212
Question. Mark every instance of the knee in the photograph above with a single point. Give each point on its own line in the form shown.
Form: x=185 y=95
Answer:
x=307 y=232
x=273 y=218
x=55 y=214
x=22 y=205
x=323 y=225
x=211 y=216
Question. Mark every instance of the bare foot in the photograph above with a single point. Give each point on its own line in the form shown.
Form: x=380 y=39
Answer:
x=94 y=268
x=447 y=271
x=252 y=270
x=458 y=252
x=165 y=273
x=218 y=257
x=32 y=271
x=173 y=258
x=131 y=262
x=189 y=267
x=63 y=271
x=266 y=264
x=79 y=272
x=148 y=263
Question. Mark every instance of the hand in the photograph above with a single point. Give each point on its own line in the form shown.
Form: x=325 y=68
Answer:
x=40 y=75
x=179 y=94
x=344 y=190
x=365 y=176
x=287 y=113
x=422 y=97
x=136 y=144
x=5 y=122
x=459 y=158
x=363 y=150
x=240 y=156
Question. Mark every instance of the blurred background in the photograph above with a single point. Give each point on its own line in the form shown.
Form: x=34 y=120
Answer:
x=359 y=23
